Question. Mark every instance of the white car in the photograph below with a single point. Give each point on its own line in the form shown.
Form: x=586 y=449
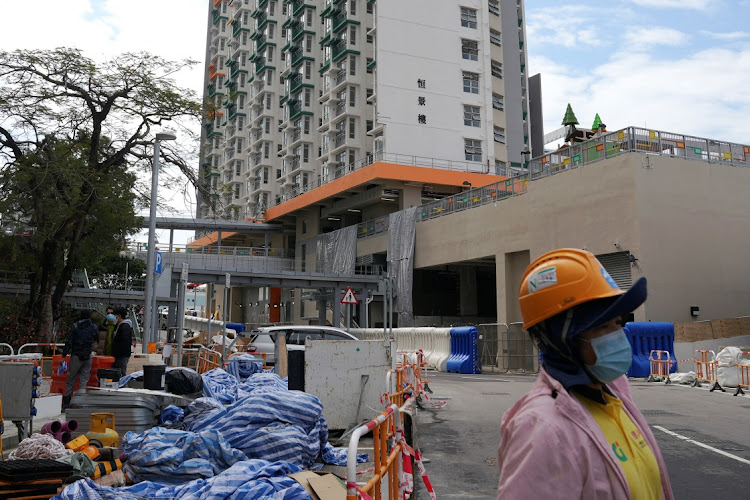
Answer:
x=263 y=339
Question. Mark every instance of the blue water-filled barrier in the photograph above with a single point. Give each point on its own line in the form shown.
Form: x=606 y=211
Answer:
x=464 y=356
x=237 y=327
x=649 y=336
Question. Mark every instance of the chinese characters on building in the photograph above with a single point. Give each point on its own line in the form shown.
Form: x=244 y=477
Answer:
x=421 y=101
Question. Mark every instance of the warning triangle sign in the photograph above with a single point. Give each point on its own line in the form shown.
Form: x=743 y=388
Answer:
x=349 y=297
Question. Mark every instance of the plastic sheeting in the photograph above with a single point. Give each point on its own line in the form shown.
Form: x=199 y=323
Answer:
x=221 y=386
x=171 y=415
x=402 y=227
x=172 y=456
x=269 y=421
x=244 y=365
x=337 y=251
x=246 y=479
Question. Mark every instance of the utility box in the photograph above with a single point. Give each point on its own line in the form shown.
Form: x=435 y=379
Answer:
x=17 y=393
x=348 y=376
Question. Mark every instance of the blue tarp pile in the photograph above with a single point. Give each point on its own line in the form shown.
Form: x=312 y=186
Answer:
x=242 y=450
x=244 y=366
x=249 y=479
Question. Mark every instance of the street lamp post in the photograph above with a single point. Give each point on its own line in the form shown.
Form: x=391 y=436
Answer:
x=149 y=293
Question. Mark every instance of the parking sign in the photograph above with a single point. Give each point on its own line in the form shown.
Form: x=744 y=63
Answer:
x=157 y=263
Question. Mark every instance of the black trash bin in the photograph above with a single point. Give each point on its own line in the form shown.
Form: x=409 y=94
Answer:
x=153 y=377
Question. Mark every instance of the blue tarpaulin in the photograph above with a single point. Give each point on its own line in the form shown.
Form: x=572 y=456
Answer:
x=172 y=456
x=250 y=479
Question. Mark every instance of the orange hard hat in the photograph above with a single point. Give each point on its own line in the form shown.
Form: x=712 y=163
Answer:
x=565 y=278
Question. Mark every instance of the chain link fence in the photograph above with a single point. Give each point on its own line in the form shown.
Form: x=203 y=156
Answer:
x=507 y=348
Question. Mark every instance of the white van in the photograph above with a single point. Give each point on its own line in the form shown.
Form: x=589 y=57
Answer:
x=263 y=339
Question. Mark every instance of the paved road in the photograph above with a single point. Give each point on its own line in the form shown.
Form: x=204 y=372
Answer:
x=461 y=440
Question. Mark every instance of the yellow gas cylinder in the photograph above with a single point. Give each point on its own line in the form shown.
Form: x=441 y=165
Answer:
x=102 y=430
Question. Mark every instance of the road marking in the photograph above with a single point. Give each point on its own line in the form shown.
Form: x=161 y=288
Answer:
x=493 y=379
x=702 y=445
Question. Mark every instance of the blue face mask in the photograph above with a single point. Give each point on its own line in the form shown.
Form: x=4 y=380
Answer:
x=110 y=317
x=613 y=356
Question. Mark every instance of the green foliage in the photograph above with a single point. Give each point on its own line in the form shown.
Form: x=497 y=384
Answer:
x=73 y=133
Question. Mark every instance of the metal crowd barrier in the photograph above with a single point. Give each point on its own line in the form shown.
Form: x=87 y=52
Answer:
x=705 y=369
x=9 y=347
x=506 y=348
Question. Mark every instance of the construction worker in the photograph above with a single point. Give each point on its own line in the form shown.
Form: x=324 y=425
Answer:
x=577 y=433
x=80 y=344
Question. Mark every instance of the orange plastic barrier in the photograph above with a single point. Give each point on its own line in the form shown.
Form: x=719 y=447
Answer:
x=705 y=369
x=744 y=375
x=660 y=366
x=208 y=360
x=387 y=464
x=58 y=381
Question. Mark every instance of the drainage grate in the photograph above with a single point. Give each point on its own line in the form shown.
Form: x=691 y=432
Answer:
x=658 y=413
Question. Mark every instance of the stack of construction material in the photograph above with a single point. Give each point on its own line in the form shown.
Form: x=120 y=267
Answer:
x=39 y=478
x=133 y=412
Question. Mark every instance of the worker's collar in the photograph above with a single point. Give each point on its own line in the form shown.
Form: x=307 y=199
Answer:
x=592 y=394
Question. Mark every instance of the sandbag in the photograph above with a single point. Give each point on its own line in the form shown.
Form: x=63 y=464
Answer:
x=728 y=376
x=682 y=378
x=728 y=356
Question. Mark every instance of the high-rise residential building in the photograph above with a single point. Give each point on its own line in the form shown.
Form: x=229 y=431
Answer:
x=301 y=92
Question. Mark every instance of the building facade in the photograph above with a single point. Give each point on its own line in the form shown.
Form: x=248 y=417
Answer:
x=299 y=93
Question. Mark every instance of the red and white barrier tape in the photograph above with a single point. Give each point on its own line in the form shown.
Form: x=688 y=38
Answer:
x=406 y=481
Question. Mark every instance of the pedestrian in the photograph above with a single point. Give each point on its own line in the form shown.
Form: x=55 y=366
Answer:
x=122 y=340
x=79 y=344
x=107 y=329
x=577 y=433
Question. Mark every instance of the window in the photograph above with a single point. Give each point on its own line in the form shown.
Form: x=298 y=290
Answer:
x=308 y=96
x=369 y=36
x=309 y=17
x=471 y=116
x=369 y=8
x=468 y=18
x=500 y=168
x=239 y=145
x=241 y=102
x=351 y=157
x=304 y=226
x=271 y=7
x=266 y=171
x=342 y=158
x=237 y=168
x=352 y=35
x=283 y=9
x=495 y=38
x=497 y=69
x=498 y=102
x=223 y=25
x=369 y=125
x=307 y=124
x=266 y=149
x=308 y=43
x=269 y=100
x=308 y=69
x=302 y=257
x=471 y=83
x=499 y=135
x=352 y=7
x=240 y=123
x=473 y=150
x=237 y=191
x=352 y=65
x=494 y=6
x=469 y=49
x=267 y=126
x=306 y=153
x=352 y=95
x=369 y=65
x=271 y=28
x=352 y=124
x=369 y=94
x=270 y=54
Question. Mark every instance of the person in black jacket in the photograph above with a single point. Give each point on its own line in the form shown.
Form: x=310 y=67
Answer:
x=122 y=340
x=80 y=343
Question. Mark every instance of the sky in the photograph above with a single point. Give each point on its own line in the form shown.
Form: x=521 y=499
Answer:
x=680 y=66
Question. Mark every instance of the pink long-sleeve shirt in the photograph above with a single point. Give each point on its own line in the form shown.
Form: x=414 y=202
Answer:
x=551 y=447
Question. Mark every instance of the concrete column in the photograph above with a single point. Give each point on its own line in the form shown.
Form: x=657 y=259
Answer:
x=467 y=279
x=336 y=319
x=322 y=307
x=411 y=196
x=515 y=264
x=501 y=287
x=362 y=297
